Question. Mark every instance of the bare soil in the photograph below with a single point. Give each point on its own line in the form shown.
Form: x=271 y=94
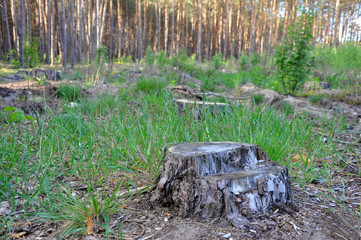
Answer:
x=318 y=216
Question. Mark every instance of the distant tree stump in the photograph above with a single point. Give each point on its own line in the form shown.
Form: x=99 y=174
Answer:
x=221 y=180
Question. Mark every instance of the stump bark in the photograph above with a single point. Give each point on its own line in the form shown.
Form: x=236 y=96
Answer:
x=221 y=180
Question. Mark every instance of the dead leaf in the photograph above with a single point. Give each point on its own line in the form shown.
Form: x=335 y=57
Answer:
x=89 y=226
x=123 y=206
x=17 y=235
x=303 y=158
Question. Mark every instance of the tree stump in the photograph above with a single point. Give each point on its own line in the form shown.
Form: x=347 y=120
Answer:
x=221 y=180
x=197 y=107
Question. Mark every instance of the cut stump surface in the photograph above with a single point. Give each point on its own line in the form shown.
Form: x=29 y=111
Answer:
x=221 y=180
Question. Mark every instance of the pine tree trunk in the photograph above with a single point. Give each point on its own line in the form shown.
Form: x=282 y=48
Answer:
x=199 y=47
x=120 y=27
x=145 y=23
x=72 y=28
x=41 y=31
x=241 y=26
x=14 y=16
x=29 y=21
x=209 y=8
x=53 y=33
x=64 y=35
x=253 y=26
x=111 y=34
x=270 y=43
x=166 y=30
x=22 y=34
x=48 y=32
x=226 y=32
x=9 y=49
x=173 y=24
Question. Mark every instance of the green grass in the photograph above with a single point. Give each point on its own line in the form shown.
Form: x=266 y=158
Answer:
x=257 y=98
x=114 y=143
x=68 y=92
x=150 y=85
x=315 y=99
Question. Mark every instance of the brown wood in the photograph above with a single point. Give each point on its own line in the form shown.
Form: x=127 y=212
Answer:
x=221 y=181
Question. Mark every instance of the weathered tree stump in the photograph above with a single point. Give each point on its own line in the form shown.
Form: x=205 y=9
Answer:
x=221 y=180
x=197 y=107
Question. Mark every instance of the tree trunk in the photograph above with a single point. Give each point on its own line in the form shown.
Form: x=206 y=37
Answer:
x=71 y=8
x=226 y=32
x=111 y=34
x=29 y=21
x=209 y=8
x=270 y=43
x=53 y=35
x=15 y=27
x=199 y=47
x=41 y=31
x=241 y=26
x=48 y=32
x=253 y=26
x=172 y=37
x=120 y=27
x=221 y=181
x=166 y=30
x=192 y=30
x=277 y=29
x=64 y=35
x=285 y=23
x=22 y=34
x=7 y=30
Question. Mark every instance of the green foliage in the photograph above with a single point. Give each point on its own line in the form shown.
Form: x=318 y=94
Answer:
x=70 y=93
x=17 y=115
x=126 y=59
x=315 y=99
x=346 y=57
x=150 y=85
x=181 y=61
x=293 y=59
x=257 y=98
x=149 y=56
x=287 y=108
x=217 y=61
x=31 y=53
x=161 y=59
x=102 y=54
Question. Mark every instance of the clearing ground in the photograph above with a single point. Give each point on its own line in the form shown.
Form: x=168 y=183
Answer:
x=327 y=209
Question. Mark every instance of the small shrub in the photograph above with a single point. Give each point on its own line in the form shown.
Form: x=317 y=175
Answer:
x=162 y=59
x=243 y=62
x=217 y=61
x=150 y=85
x=102 y=54
x=208 y=85
x=293 y=59
x=126 y=59
x=69 y=92
x=315 y=99
x=18 y=115
x=257 y=98
x=31 y=54
x=149 y=56
x=287 y=108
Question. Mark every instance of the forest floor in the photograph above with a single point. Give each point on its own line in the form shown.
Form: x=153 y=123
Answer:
x=325 y=209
